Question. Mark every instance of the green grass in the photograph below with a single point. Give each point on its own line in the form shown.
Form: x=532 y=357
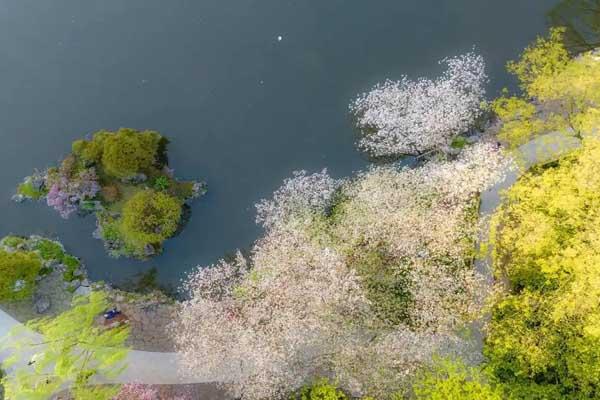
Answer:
x=26 y=189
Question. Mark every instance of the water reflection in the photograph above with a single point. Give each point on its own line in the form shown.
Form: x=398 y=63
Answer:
x=581 y=18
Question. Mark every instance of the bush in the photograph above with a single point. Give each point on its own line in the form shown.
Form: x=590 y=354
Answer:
x=110 y=193
x=544 y=335
x=28 y=190
x=149 y=217
x=320 y=390
x=49 y=250
x=18 y=271
x=162 y=183
x=128 y=152
x=449 y=379
x=13 y=241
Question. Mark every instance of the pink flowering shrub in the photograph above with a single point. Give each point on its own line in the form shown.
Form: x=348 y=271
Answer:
x=66 y=193
x=413 y=116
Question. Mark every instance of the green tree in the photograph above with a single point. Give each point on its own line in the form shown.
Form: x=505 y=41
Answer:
x=68 y=350
x=128 y=152
x=123 y=153
x=18 y=271
x=150 y=217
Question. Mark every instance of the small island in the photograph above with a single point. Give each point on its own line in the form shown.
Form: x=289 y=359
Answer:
x=124 y=178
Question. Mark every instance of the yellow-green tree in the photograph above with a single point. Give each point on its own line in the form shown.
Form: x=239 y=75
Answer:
x=149 y=218
x=69 y=350
x=121 y=154
x=561 y=93
x=544 y=335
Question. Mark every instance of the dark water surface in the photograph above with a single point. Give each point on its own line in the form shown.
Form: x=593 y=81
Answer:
x=243 y=109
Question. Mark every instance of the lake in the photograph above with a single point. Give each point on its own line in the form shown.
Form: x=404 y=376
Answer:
x=248 y=91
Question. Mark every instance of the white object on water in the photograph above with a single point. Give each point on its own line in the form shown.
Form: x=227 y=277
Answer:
x=279 y=38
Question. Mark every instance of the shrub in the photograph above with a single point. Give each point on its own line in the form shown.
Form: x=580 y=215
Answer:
x=49 y=250
x=18 y=271
x=162 y=183
x=68 y=192
x=149 y=217
x=28 y=190
x=128 y=152
x=320 y=390
x=13 y=241
x=544 y=335
x=71 y=263
x=110 y=193
x=449 y=379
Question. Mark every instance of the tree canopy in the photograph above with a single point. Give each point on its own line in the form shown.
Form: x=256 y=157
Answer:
x=544 y=337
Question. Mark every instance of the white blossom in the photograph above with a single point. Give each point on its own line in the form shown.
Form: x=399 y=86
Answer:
x=301 y=193
x=410 y=117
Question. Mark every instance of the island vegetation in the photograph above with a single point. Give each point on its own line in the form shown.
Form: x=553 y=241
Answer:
x=123 y=177
x=24 y=261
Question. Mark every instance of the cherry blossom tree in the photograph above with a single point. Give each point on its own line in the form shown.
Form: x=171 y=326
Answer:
x=302 y=306
x=413 y=116
x=300 y=194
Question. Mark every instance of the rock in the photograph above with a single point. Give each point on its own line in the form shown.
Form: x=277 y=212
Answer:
x=83 y=291
x=97 y=234
x=18 y=198
x=19 y=285
x=37 y=181
x=74 y=284
x=79 y=273
x=85 y=283
x=138 y=178
x=41 y=304
x=473 y=139
x=149 y=250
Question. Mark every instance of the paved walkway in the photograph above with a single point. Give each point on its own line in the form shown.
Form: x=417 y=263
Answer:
x=162 y=368
x=142 y=366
